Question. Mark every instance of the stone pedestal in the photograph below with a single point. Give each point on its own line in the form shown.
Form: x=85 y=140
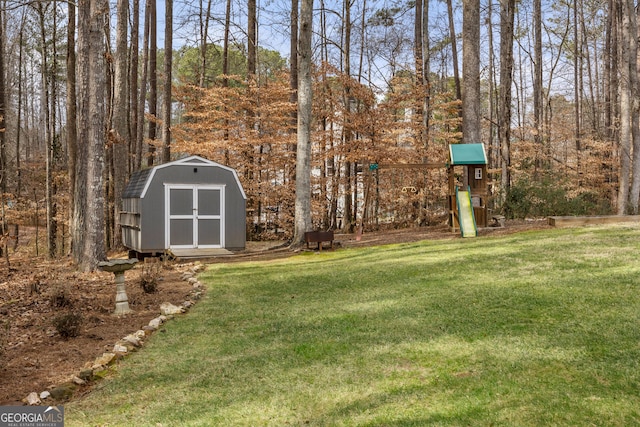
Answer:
x=118 y=267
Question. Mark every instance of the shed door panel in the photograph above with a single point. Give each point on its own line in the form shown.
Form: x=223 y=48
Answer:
x=209 y=217
x=181 y=232
x=209 y=232
x=195 y=217
x=209 y=201
x=181 y=202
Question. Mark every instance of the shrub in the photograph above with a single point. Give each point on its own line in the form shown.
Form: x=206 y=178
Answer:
x=517 y=203
x=151 y=272
x=149 y=284
x=68 y=325
x=60 y=298
x=548 y=196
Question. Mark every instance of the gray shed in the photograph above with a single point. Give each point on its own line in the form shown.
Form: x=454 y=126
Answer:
x=192 y=206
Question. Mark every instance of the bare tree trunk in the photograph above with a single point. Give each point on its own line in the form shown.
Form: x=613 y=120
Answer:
x=419 y=64
x=119 y=133
x=252 y=60
x=293 y=54
x=225 y=46
x=611 y=94
x=577 y=78
x=302 y=220
x=204 y=38
x=32 y=139
x=168 y=64
x=72 y=130
x=594 y=103
x=625 y=112
x=363 y=39
x=493 y=144
x=507 y=13
x=19 y=107
x=349 y=211
x=471 y=72
x=3 y=109
x=635 y=106
x=52 y=205
x=142 y=97
x=252 y=89
x=332 y=172
x=537 y=80
x=417 y=43
x=133 y=87
x=426 y=69
x=607 y=69
x=89 y=208
x=521 y=96
x=225 y=68
x=454 y=48
x=153 y=81
x=42 y=11
x=251 y=38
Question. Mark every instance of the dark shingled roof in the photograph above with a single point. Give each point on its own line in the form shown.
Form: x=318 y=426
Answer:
x=136 y=184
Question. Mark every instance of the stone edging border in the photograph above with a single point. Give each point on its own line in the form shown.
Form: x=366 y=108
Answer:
x=99 y=368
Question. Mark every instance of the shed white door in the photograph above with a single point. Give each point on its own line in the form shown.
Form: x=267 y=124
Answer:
x=194 y=216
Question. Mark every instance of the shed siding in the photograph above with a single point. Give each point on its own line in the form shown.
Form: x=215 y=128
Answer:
x=144 y=218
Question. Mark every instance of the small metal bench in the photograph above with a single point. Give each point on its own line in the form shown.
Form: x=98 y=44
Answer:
x=319 y=237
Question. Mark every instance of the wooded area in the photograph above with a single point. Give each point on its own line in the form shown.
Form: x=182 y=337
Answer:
x=328 y=110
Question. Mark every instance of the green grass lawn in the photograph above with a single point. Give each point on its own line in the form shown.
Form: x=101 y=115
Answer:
x=533 y=329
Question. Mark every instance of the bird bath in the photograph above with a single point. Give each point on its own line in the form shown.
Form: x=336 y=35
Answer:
x=118 y=267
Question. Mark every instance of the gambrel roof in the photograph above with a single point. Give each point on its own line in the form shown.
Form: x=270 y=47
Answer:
x=140 y=180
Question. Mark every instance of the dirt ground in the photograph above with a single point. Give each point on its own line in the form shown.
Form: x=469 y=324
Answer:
x=34 y=291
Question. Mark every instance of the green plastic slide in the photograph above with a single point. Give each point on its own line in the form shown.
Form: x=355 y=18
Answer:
x=465 y=214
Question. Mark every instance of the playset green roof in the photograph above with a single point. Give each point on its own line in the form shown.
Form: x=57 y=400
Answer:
x=467 y=154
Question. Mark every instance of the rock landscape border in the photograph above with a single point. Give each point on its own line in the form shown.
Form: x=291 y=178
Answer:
x=100 y=367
